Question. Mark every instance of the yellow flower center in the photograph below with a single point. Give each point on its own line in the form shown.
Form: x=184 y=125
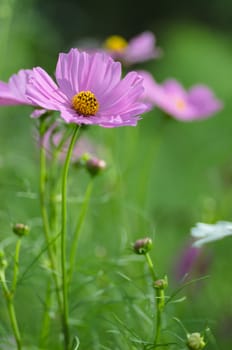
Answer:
x=180 y=104
x=115 y=43
x=85 y=103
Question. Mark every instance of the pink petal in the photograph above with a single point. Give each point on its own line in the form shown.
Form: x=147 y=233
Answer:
x=44 y=92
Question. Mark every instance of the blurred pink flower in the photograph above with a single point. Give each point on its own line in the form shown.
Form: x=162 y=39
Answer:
x=13 y=92
x=89 y=90
x=192 y=262
x=197 y=103
x=139 y=49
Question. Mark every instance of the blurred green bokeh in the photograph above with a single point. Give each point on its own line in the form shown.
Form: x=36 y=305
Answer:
x=164 y=175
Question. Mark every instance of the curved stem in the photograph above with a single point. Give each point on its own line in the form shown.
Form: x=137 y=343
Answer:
x=63 y=237
x=77 y=231
x=11 y=311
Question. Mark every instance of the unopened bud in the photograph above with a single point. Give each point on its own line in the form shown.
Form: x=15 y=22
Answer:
x=21 y=230
x=92 y=164
x=142 y=246
x=3 y=261
x=95 y=165
x=161 y=283
x=195 y=341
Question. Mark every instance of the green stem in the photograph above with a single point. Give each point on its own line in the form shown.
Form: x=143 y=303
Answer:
x=159 y=300
x=151 y=266
x=11 y=311
x=54 y=183
x=77 y=231
x=63 y=237
x=46 y=317
x=46 y=227
x=16 y=266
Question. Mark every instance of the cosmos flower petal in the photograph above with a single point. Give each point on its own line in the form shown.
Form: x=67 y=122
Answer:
x=43 y=91
x=4 y=89
x=103 y=73
x=6 y=96
x=123 y=92
x=64 y=74
x=18 y=82
x=13 y=92
x=173 y=87
x=142 y=48
x=204 y=100
x=205 y=233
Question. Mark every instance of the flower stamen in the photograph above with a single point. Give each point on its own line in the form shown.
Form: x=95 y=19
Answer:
x=115 y=43
x=180 y=104
x=85 y=103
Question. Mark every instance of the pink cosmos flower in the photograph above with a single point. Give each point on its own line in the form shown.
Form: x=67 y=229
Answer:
x=197 y=103
x=139 y=49
x=89 y=90
x=13 y=92
x=192 y=263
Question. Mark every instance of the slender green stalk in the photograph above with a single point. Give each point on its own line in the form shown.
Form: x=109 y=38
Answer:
x=16 y=266
x=63 y=237
x=11 y=310
x=46 y=317
x=54 y=183
x=159 y=301
x=77 y=231
x=151 y=266
x=43 y=178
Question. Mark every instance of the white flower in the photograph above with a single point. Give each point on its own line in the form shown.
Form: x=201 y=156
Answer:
x=205 y=233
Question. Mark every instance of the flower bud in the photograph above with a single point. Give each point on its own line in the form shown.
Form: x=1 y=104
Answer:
x=92 y=164
x=161 y=283
x=21 y=230
x=195 y=341
x=142 y=246
x=3 y=261
x=95 y=165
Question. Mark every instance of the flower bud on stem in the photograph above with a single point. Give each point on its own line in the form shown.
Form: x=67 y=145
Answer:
x=159 y=300
x=21 y=230
x=142 y=247
x=195 y=341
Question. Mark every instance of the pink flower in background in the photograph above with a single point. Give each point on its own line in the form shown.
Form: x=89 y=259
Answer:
x=197 y=103
x=139 y=49
x=13 y=92
x=192 y=262
x=89 y=90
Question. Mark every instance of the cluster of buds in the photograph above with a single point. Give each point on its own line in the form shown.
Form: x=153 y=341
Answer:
x=142 y=246
x=195 y=341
